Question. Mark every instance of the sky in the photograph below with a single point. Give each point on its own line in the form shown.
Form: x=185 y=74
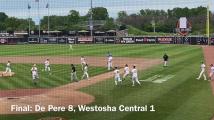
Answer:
x=19 y=8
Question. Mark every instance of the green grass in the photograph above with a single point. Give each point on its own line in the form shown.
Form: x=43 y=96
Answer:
x=136 y=50
x=133 y=31
x=180 y=98
x=60 y=76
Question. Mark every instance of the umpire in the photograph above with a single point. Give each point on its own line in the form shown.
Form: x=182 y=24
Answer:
x=73 y=73
x=165 y=59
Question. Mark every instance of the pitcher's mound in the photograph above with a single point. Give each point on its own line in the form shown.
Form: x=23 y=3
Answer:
x=3 y=74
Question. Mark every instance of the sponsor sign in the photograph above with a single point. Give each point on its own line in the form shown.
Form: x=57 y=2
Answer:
x=85 y=40
x=99 y=40
x=44 y=40
x=165 y=40
x=110 y=40
x=127 y=40
x=33 y=40
x=52 y=40
x=71 y=40
x=3 y=40
x=145 y=40
x=62 y=40
x=198 y=40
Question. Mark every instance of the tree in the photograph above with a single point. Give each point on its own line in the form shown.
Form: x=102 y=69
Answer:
x=73 y=17
x=109 y=25
x=122 y=15
x=99 y=13
x=166 y=20
x=3 y=17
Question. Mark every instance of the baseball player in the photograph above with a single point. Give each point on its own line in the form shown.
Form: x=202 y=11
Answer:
x=47 y=66
x=126 y=71
x=35 y=74
x=109 y=54
x=203 y=66
x=8 y=68
x=117 y=76
x=109 y=62
x=85 y=72
x=73 y=73
x=165 y=59
x=211 y=71
x=70 y=47
x=83 y=62
x=134 y=76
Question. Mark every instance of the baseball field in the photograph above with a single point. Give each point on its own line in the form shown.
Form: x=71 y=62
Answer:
x=173 y=91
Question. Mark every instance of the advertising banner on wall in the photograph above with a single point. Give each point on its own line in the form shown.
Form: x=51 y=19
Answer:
x=84 y=40
x=110 y=40
x=3 y=41
x=62 y=40
x=33 y=40
x=145 y=40
x=127 y=40
x=72 y=40
x=99 y=40
x=198 y=40
x=52 y=40
x=165 y=40
x=43 y=40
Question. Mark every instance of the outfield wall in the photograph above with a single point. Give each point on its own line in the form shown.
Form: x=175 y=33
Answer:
x=107 y=40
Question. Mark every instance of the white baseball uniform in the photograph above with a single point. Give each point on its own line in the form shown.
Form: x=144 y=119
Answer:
x=203 y=66
x=8 y=68
x=109 y=64
x=85 y=72
x=126 y=72
x=211 y=71
x=117 y=76
x=47 y=66
x=83 y=62
x=35 y=74
x=135 y=77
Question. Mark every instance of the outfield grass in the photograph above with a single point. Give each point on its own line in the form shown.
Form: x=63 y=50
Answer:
x=136 y=50
x=60 y=76
x=180 y=98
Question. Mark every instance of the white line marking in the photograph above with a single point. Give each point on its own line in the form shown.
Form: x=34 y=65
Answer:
x=151 y=78
x=158 y=79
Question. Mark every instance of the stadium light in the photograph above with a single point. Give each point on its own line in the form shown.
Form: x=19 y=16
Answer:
x=91 y=19
x=48 y=6
x=153 y=25
x=38 y=12
x=29 y=29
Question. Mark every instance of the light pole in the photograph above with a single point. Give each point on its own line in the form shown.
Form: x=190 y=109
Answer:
x=91 y=19
x=47 y=6
x=38 y=15
x=153 y=25
x=29 y=7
